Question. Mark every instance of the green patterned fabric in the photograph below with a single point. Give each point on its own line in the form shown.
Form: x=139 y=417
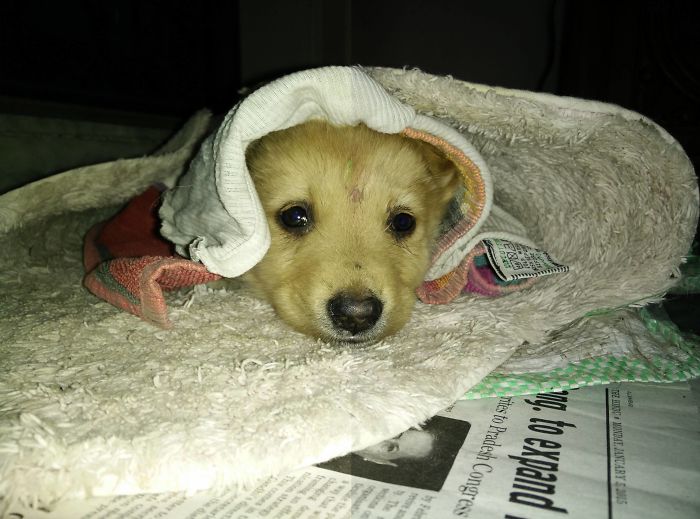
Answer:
x=682 y=365
x=602 y=370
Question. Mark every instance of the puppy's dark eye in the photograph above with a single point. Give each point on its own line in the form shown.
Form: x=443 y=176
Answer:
x=402 y=224
x=295 y=219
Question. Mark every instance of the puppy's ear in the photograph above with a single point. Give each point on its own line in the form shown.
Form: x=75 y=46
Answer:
x=446 y=176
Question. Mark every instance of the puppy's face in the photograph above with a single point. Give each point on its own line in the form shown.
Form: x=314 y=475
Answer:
x=353 y=216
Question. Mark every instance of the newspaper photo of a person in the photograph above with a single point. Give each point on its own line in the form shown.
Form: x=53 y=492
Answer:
x=419 y=457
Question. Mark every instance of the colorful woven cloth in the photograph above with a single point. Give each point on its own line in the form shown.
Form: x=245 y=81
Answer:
x=473 y=275
x=129 y=264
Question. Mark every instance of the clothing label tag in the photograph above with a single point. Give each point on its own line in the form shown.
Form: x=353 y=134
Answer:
x=515 y=261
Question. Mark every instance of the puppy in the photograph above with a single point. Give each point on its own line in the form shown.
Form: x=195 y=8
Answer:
x=353 y=215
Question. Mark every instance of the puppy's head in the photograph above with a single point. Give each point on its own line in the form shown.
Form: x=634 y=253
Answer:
x=353 y=215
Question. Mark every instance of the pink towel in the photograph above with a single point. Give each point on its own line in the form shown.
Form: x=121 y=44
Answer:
x=129 y=264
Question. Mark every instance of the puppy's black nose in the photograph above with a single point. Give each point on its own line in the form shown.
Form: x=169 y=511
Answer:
x=354 y=313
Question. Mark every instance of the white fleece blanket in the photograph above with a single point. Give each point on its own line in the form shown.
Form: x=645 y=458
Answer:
x=94 y=401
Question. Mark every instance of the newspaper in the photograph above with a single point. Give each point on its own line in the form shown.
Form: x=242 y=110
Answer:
x=618 y=451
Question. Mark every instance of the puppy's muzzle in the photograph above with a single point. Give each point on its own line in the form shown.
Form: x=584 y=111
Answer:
x=354 y=314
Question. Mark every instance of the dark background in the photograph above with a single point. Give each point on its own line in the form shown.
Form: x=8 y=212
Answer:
x=172 y=57
x=154 y=62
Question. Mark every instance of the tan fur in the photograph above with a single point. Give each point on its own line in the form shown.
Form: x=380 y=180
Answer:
x=353 y=179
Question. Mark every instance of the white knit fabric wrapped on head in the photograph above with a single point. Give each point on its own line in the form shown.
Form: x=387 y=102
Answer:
x=214 y=214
